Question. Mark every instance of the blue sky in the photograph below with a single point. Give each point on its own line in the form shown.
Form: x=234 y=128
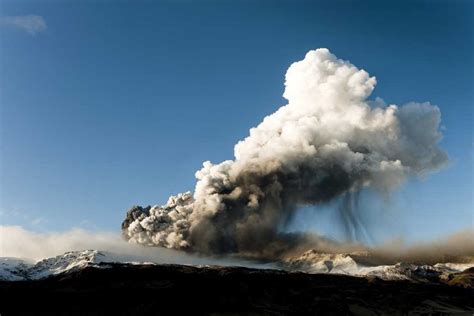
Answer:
x=113 y=104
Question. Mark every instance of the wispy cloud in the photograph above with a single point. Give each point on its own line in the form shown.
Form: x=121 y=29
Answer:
x=32 y=24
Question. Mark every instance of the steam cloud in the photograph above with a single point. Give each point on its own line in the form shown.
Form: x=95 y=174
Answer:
x=329 y=141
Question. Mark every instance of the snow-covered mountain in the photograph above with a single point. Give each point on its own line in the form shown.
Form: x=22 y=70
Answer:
x=350 y=264
x=13 y=269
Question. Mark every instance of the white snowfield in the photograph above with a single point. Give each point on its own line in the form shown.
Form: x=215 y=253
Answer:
x=14 y=269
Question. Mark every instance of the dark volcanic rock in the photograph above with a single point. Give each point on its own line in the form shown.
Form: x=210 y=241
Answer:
x=172 y=289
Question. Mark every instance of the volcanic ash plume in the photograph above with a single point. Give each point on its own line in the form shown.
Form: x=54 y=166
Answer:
x=328 y=141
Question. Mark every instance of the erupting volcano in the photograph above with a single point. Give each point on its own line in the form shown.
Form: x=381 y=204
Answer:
x=330 y=141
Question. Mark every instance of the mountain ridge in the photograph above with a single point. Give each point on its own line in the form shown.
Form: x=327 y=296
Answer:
x=137 y=289
x=311 y=262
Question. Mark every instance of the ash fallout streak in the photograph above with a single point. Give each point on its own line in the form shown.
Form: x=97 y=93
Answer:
x=328 y=141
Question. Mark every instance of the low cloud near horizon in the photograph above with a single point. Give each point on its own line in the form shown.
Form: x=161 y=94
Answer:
x=18 y=242
x=32 y=24
x=15 y=241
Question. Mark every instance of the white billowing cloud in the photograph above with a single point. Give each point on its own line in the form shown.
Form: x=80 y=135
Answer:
x=32 y=24
x=330 y=140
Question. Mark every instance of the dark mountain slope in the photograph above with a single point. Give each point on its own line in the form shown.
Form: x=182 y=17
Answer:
x=125 y=289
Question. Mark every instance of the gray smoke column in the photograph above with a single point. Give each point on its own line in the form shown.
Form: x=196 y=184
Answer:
x=328 y=141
